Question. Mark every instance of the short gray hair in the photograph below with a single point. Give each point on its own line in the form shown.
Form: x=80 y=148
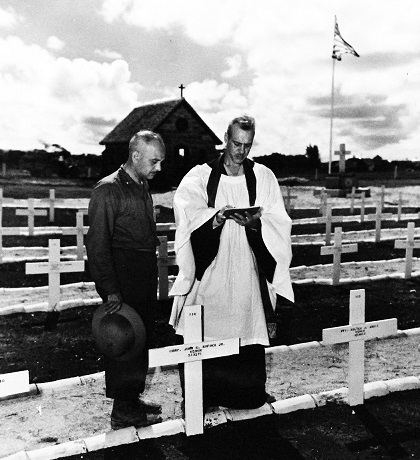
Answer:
x=244 y=122
x=147 y=136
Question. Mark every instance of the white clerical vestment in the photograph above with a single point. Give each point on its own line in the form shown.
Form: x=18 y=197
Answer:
x=229 y=289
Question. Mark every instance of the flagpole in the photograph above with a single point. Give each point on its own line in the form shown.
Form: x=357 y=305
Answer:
x=340 y=46
x=332 y=115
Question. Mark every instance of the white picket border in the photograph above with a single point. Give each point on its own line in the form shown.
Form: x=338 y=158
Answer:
x=317 y=239
x=213 y=418
x=58 y=230
x=39 y=388
x=353 y=218
x=172 y=427
x=63 y=230
x=352 y=236
x=80 y=302
x=43 y=306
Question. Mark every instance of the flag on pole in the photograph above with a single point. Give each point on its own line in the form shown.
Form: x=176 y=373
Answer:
x=340 y=45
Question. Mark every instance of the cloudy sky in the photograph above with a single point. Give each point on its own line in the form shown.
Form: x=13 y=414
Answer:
x=71 y=69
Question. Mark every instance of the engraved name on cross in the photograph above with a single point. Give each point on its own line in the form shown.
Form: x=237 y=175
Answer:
x=356 y=333
x=192 y=352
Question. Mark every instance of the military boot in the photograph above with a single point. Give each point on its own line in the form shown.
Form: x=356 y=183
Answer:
x=131 y=413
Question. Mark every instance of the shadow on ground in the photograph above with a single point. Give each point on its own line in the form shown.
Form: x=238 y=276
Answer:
x=332 y=432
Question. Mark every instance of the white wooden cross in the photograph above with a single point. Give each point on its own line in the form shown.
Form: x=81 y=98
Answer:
x=31 y=212
x=356 y=333
x=54 y=267
x=337 y=250
x=382 y=196
x=80 y=230
x=409 y=245
x=324 y=203
x=362 y=207
x=52 y=204
x=400 y=203
x=329 y=219
x=342 y=162
x=287 y=200
x=192 y=352
x=377 y=217
x=353 y=195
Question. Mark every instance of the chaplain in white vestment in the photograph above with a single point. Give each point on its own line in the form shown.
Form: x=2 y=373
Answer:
x=236 y=267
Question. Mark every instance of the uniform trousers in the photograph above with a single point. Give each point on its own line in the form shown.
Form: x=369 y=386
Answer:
x=136 y=273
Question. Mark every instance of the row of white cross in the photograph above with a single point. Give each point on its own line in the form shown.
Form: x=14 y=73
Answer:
x=79 y=231
x=323 y=195
x=195 y=350
x=338 y=248
x=31 y=212
x=165 y=261
x=327 y=218
x=53 y=267
x=288 y=197
x=378 y=217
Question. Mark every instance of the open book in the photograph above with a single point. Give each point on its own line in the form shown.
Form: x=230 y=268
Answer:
x=252 y=210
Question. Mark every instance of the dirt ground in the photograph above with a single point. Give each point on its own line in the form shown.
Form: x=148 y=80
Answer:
x=330 y=432
x=79 y=412
x=83 y=411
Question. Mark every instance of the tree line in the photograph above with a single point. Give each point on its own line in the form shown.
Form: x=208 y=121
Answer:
x=286 y=165
x=56 y=161
x=53 y=161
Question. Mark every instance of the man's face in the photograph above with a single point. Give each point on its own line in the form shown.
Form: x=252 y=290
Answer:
x=239 y=144
x=148 y=159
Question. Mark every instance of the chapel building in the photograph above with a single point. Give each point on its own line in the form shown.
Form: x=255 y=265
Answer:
x=189 y=141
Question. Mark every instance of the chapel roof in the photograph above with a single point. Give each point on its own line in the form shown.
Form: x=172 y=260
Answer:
x=151 y=116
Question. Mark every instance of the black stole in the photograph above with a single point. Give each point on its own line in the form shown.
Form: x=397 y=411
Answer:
x=218 y=169
x=205 y=240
